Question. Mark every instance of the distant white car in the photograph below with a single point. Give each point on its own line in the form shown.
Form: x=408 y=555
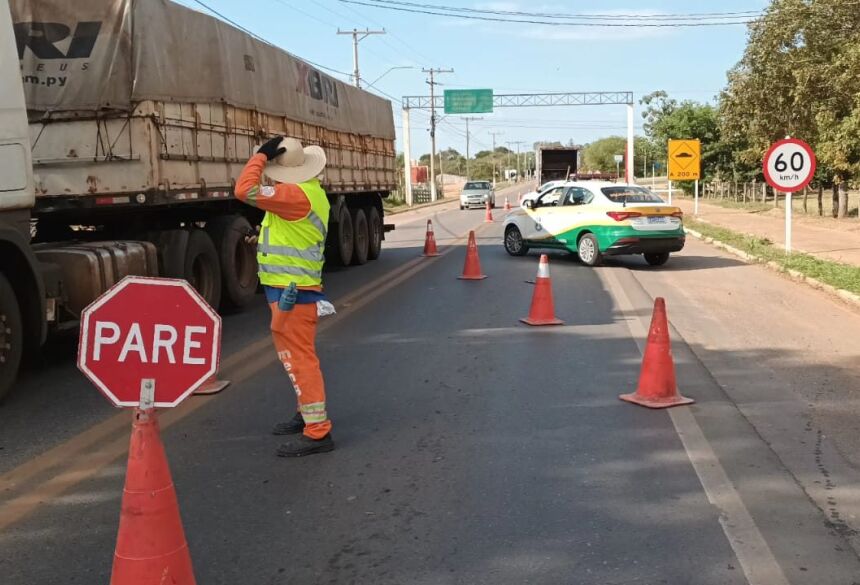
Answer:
x=477 y=194
x=533 y=195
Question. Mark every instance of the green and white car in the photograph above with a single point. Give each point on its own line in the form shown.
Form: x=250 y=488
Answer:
x=596 y=219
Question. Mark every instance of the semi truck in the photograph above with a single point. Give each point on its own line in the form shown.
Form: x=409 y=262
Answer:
x=555 y=163
x=124 y=125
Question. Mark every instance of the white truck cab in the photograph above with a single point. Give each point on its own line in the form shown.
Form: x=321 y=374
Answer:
x=16 y=169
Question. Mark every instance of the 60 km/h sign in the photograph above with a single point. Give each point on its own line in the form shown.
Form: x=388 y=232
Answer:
x=789 y=165
x=158 y=330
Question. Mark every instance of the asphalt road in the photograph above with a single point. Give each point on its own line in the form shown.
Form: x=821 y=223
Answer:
x=470 y=448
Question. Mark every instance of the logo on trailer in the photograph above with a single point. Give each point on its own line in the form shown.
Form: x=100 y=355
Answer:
x=43 y=38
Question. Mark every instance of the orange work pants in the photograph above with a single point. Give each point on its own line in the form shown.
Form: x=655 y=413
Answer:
x=294 y=333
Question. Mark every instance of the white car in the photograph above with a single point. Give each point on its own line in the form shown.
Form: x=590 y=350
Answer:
x=545 y=187
x=477 y=194
x=594 y=219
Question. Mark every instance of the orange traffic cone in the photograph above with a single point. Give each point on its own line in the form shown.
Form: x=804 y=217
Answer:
x=150 y=546
x=472 y=268
x=211 y=386
x=657 y=388
x=542 y=311
x=507 y=204
x=430 y=241
x=489 y=216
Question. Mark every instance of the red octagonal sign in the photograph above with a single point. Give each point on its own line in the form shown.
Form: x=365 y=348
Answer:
x=149 y=328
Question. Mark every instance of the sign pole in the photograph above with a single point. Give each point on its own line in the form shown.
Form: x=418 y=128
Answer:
x=670 y=192
x=788 y=210
x=696 y=197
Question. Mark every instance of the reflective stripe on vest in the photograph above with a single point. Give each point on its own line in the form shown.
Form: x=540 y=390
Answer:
x=292 y=250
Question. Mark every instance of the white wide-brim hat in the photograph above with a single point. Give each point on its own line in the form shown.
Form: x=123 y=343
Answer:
x=298 y=164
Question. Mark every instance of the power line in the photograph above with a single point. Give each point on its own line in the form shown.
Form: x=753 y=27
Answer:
x=579 y=16
x=259 y=38
x=678 y=23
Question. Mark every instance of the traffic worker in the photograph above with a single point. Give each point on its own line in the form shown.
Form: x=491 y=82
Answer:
x=290 y=256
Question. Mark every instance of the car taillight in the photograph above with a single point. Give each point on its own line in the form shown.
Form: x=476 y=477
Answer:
x=623 y=215
x=678 y=214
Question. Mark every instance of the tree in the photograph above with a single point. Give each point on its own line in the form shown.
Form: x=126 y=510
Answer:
x=799 y=76
x=600 y=154
x=666 y=119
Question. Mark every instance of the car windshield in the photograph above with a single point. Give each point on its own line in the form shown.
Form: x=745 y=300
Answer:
x=545 y=186
x=476 y=186
x=630 y=194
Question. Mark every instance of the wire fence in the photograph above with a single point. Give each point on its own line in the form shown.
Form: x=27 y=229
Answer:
x=815 y=200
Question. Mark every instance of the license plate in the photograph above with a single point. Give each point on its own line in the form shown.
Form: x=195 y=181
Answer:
x=657 y=219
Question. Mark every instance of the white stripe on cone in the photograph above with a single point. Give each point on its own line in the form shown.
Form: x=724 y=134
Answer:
x=429 y=227
x=543 y=267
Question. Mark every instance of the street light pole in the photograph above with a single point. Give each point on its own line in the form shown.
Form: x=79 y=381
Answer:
x=357 y=37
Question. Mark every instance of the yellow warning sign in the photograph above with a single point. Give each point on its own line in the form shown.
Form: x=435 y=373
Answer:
x=685 y=160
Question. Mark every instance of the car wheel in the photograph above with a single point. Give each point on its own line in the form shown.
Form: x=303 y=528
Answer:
x=588 y=250
x=514 y=243
x=657 y=259
x=462 y=207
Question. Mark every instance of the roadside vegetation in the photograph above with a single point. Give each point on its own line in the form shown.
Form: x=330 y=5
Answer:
x=800 y=77
x=835 y=274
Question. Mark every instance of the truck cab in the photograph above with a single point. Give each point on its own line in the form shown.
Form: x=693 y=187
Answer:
x=22 y=291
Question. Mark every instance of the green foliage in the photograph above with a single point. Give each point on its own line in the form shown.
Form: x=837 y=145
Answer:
x=600 y=154
x=666 y=118
x=799 y=76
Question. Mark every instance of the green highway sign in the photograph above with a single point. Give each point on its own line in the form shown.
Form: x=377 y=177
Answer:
x=468 y=101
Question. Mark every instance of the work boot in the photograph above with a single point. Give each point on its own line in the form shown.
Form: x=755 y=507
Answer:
x=301 y=445
x=292 y=427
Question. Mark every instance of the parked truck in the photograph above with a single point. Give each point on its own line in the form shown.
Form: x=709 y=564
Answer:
x=124 y=125
x=556 y=163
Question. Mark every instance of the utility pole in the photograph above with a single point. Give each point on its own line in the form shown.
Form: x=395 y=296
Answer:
x=358 y=36
x=468 y=119
x=432 y=83
x=494 y=134
x=518 y=143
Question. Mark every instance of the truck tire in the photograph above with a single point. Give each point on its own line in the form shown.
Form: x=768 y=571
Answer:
x=237 y=259
x=375 y=227
x=361 y=235
x=202 y=269
x=11 y=336
x=172 y=246
x=342 y=241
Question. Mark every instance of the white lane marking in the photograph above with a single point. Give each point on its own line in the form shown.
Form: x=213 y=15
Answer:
x=754 y=555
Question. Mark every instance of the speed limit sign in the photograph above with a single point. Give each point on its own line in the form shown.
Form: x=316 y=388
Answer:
x=789 y=165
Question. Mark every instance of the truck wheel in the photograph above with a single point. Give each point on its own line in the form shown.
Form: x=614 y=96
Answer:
x=237 y=259
x=375 y=227
x=361 y=236
x=202 y=269
x=342 y=234
x=11 y=336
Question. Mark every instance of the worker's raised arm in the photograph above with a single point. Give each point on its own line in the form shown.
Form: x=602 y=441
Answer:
x=283 y=199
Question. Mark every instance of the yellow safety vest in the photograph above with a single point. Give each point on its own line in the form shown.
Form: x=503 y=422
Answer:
x=292 y=250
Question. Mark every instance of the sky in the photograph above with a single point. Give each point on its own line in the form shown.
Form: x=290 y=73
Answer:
x=688 y=63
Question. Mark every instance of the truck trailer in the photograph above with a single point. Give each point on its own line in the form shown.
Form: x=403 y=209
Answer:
x=124 y=125
x=556 y=163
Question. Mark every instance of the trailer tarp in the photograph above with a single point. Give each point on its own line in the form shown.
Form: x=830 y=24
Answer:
x=99 y=55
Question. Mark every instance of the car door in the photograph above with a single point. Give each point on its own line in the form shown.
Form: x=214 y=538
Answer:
x=545 y=210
